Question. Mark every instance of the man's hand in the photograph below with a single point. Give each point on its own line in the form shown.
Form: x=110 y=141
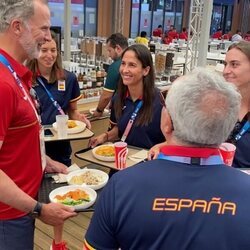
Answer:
x=55 y=214
x=97 y=114
x=153 y=152
x=97 y=140
x=84 y=119
x=55 y=166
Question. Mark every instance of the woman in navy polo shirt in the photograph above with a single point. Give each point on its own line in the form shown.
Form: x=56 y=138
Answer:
x=137 y=102
x=237 y=71
x=63 y=87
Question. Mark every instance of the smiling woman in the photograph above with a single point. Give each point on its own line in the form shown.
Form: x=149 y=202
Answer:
x=236 y=71
x=58 y=92
x=136 y=108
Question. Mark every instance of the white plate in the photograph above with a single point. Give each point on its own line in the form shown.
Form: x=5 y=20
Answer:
x=100 y=157
x=63 y=190
x=102 y=177
x=79 y=128
x=105 y=111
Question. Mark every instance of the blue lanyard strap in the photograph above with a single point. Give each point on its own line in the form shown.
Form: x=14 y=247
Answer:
x=55 y=103
x=211 y=160
x=243 y=130
x=26 y=97
x=4 y=61
x=131 y=120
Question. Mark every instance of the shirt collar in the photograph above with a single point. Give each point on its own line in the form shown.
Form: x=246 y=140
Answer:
x=189 y=151
x=128 y=96
x=23 y=72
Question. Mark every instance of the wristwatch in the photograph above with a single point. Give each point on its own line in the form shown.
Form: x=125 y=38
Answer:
x=36 y=212
x=98 y=110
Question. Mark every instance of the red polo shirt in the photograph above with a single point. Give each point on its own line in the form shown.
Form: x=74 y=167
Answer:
x=20 y=156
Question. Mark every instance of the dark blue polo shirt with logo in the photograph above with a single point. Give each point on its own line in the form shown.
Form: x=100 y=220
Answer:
x=140 y=136
x=162 y=204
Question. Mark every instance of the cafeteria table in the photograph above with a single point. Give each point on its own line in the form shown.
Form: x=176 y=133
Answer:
x=86 y=155
x=85 y=134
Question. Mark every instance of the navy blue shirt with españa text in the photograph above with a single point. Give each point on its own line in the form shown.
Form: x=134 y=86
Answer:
x=163 y=204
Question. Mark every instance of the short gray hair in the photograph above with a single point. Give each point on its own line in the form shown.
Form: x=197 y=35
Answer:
x=10 y=9
x=203 y=107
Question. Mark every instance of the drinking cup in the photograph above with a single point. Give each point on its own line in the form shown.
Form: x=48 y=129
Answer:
x=62 y=126
x=121 y=151
x=227 y=151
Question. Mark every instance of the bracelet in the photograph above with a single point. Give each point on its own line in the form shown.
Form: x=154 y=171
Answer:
x=107 y=134
x=98 y=110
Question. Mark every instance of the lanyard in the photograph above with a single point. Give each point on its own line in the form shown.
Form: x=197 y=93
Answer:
x=55 y=103
x=211 y=160
x=189 y=155
x=243 y=130
x=131 y=121
x=26 y=97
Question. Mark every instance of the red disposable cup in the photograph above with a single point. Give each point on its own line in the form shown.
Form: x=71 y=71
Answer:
x=121 y=151
x=227 y=151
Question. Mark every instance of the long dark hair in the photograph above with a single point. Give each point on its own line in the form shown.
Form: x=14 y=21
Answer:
x=143 y=54
x=57 y=72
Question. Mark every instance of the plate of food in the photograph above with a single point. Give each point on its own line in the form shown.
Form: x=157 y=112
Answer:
x=104 y=152
x=74 y=196
x=92 y=178
x=105 y=111
x=74 y=126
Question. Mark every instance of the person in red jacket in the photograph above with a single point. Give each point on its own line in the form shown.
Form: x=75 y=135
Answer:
x=227 y=36
x=217 y=34
x=247 y=36
x=183 y=34
x=173 y=33
x=158 y=31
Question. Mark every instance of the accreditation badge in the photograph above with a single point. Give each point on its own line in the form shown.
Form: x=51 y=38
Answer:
x=42 y=149
x=61 y=85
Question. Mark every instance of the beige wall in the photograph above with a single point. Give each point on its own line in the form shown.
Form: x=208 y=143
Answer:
x=106 y=18
x=104 y=25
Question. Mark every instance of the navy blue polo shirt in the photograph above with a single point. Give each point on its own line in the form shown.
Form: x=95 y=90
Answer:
x=242 y=155
x=63 y=96
x=140 y=136
x=59 y=151
x=162 y=204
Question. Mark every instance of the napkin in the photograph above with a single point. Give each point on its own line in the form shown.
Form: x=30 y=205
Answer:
x=61 y=178
x=139 y=156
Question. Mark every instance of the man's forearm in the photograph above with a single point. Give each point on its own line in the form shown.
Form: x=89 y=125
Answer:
x=13 y=196
x=104 y=100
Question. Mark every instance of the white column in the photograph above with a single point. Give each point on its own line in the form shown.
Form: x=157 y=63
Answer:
x=204 y=34
x=67 y=29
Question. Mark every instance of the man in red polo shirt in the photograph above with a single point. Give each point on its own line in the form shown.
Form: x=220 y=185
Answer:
x=24 y=26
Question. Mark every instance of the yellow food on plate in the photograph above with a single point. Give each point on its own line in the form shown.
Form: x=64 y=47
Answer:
x=71 y=124
x=73 y=198
x=106 y=150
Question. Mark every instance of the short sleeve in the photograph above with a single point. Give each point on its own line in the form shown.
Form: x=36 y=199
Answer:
x=113 y=76
x=74 y=86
